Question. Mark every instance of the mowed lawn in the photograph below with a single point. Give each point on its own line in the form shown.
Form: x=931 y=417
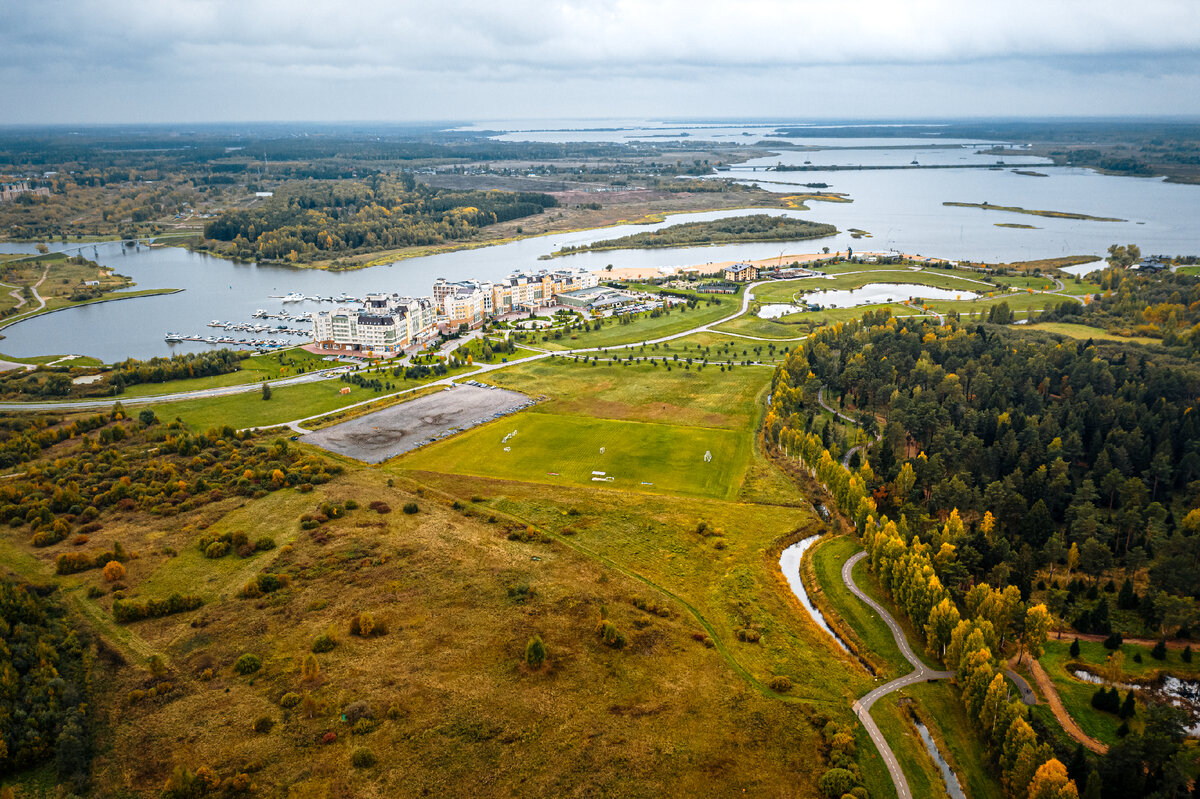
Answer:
x=566 y=450
x=704 y=397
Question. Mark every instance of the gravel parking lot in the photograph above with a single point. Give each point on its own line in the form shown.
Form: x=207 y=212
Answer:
x=393 y=431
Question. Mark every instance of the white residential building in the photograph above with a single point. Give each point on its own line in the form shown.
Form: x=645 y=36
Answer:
x=386 y=324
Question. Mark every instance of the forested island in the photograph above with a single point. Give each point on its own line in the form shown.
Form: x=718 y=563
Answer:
x=756 y=227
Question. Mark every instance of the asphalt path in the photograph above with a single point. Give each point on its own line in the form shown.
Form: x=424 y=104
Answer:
x=920 y=673
x=850 y=452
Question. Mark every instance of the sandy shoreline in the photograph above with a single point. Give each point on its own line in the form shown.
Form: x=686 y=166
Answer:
x=644 y=272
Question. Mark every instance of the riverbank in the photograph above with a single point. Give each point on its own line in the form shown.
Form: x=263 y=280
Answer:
x=110 y=297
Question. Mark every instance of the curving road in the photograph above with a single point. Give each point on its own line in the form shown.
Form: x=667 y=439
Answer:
x=850 y=452
x=920 y=673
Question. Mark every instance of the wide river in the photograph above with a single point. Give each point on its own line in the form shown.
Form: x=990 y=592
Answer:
x=901 y=208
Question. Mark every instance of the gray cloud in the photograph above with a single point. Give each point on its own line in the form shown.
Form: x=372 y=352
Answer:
x=259 y=59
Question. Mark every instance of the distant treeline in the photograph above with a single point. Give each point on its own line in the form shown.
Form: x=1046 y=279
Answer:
x=307 y=221
x=756 y=227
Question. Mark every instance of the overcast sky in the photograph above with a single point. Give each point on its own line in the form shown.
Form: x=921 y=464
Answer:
x=248 y=60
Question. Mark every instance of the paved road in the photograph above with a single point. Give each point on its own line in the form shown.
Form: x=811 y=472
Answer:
x=1023 y=688
x=108 y=402
x=313 y=376
x=850 y=452
x=920 y=673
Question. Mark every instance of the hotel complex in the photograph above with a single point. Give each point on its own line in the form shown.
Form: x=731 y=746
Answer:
x=389 y=323
x=470 y=302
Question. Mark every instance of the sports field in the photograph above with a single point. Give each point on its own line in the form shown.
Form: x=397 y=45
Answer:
x=566 y=450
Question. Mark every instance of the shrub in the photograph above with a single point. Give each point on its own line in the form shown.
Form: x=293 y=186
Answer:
x=114 y=571
x=365 y=624
x=1075 y=648
x=535 y=652
x=217 y=549
x=410 y=508
x=351 y=504
x=362 y=758
x=1114 y=641
x=610 y=635
x=263 y=724
x=748 y=635
x=1159 y=652
x=1187 y=654
x=836 y=783
x=310 y=669
x=379 y=506
x=323 y=643
x=289 y=700
x=247 y=664
x=329 y=737
x=126 y=610
x=780 y=684
x=362 y=727
x=264 y=543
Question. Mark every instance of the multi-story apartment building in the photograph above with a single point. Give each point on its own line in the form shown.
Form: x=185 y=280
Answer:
x=385 y=324
x=471 y=302
x=466 y=302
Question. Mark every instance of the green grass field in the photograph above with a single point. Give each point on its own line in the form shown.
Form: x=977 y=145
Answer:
x=705 y=398
x=287 y=403
x=645 y=328
x=640 y=456
x=267 y=366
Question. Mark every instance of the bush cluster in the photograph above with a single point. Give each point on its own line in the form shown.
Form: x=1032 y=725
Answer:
x=365 y=625
x=127 y=610
x=265 y=583
x=75 y=562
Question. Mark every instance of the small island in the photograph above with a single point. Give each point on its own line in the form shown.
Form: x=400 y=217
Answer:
x=1016 y=225
x=1018 y=210
x=756 y=227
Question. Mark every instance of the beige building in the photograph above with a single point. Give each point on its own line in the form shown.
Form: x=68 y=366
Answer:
x=471 y=302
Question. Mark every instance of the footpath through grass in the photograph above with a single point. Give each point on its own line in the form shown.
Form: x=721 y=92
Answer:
x=875 y=640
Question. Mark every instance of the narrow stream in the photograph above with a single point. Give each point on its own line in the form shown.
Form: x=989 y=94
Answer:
x=789 y=562
x=953 y=787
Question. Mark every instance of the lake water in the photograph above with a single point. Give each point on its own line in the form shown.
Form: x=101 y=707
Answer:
x=902 y=210
x=870 y=294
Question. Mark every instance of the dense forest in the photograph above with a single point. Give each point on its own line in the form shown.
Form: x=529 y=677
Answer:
x=45 y=682
x=756 y=227
x=312 y=220
x=1163 y=306
x=1015 y=478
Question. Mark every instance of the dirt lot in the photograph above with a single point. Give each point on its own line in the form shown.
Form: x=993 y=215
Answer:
x=393 y=431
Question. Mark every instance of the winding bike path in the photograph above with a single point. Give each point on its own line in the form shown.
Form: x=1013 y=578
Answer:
x=920 y=673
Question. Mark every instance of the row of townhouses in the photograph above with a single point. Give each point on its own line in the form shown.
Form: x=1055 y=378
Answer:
x=389 y=323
